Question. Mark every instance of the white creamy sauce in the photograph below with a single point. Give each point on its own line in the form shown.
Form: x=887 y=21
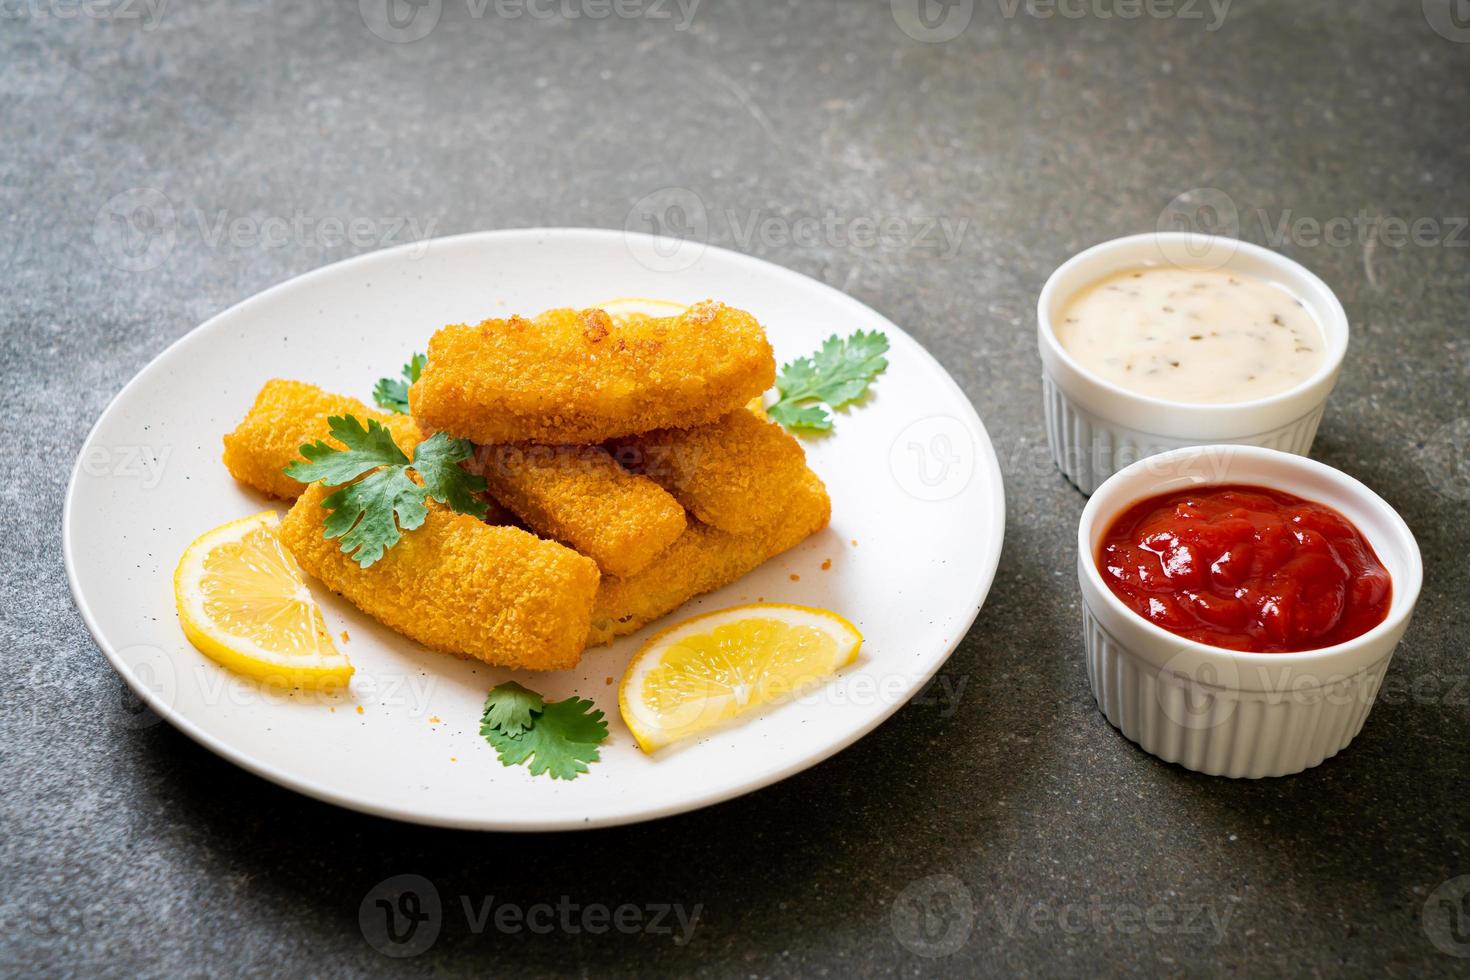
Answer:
x=1191 y=335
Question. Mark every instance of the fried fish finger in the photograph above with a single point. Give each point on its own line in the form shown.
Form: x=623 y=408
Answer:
x=456 y=584
x=727 y=472
x=579 y=495
x=286 y=415
x=703 y=559
x=570 y=377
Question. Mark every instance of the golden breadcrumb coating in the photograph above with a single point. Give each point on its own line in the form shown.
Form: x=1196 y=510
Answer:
x=570 y=377
x=726 y=473
x=289 y=414
x=498 y=594
x=705 y=558
x=580 y=496
x=286 y=415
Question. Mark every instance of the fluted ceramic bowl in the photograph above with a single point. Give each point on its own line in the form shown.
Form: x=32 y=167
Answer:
x=1096 y=427
x=1225 y=712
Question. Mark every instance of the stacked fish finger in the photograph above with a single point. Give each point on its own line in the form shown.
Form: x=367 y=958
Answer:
x=624 y=450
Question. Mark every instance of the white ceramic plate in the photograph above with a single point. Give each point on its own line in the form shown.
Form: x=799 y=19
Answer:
x=917 y=519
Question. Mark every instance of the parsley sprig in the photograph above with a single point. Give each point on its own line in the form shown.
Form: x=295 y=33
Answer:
x=391 y=393
x=370 y=514
x=836 y=375
x=557 y=737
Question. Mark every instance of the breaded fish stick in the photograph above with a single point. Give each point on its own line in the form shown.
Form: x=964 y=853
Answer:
x=456 y=584
x=580 y=496
x=727 y=472
x=703 y=559
x=286 y=415
x=570 y=377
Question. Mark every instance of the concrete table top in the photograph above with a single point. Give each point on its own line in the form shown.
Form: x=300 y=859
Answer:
x=997 y=826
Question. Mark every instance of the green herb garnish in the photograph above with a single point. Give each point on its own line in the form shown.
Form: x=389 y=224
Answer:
x=510 y=708
x=392 y=394
x=557 y=737
x=836 y=375
x=370 y=514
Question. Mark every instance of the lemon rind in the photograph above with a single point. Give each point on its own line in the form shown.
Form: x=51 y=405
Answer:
x=649 y=735
x=329 y=668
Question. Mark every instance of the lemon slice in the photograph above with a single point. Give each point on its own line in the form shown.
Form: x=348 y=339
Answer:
x=242 y=601
x=629 y=309
x=706 y=670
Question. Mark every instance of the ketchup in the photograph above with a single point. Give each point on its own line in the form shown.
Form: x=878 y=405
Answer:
x=1245 y=568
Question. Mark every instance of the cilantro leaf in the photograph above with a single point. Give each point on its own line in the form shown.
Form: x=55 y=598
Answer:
x=370 y=514
x=363 y=513
x=366 y=449
x=436 y=460
x=392 y=394
x=836 y=375
x=795 y=416
x=562 y=739
x=509 y=708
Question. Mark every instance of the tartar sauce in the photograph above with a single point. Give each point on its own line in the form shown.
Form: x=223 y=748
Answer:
x=1192 y=335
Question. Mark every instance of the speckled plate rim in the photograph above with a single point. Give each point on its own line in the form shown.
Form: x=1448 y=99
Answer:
x=987 y=471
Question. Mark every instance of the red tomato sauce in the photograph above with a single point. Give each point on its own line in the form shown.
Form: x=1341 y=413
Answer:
x=1245 y=568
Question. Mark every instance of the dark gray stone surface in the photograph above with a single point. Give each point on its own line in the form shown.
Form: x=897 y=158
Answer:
x=129 y=850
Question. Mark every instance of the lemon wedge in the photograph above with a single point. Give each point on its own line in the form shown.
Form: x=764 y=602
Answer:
x=632 y=309
x=704 y=671
x=243 y=602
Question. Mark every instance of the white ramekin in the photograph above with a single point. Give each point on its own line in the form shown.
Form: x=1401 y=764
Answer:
x=1096 y=427
x=1217 y=711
